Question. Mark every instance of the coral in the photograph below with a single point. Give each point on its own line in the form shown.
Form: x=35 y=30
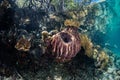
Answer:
x=44 y=35
x=65 y=44
x=23 y=44
x=53 y=32
x=72 y=23
x=87 y=45
x=95 y=54
x=102 y=58
x=82 y=13
x=91 y=51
